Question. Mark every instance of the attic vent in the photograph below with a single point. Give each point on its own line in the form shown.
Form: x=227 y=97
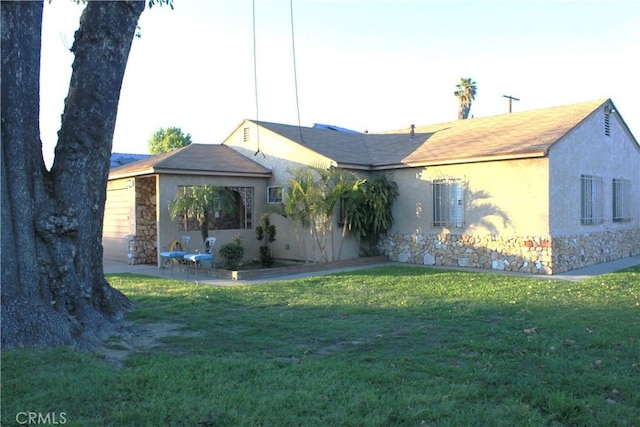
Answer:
x=607 y=118
x=246 y=134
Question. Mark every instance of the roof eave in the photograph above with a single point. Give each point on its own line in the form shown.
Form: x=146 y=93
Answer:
x=461 y=160
x=266 y=174
x=153 y=171
x=354 y=166
x=130 y=174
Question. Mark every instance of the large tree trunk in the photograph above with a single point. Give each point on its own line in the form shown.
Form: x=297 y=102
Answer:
x=53 y=286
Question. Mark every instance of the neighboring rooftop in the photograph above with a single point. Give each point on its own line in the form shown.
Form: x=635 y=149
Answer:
x=335 y=128
x=120 y=159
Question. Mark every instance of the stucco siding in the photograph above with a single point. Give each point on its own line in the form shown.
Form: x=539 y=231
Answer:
x=506 y=214
x=169 y=231
x=588 y=151
x=281 y=156
x=500 y=198
x=273 y=151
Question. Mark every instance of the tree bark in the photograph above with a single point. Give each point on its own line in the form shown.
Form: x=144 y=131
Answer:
x=53 y=286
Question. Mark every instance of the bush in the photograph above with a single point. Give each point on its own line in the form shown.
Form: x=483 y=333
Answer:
x=266 y=260
x=233 y=253
x=266 y=233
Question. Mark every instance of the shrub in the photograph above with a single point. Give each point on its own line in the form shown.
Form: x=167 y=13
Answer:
x=266 y=233
x=232 y=252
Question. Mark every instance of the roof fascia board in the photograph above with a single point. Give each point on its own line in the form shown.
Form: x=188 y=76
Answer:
x=213 y=173
x=482 y=159
x=130 y=174
x=624 y=125
x=577 y=125
x=188 y=172
x=355 y=166
x=241 y=125
x=291 y=141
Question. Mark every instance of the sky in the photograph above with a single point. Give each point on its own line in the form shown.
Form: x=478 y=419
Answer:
x=364 y=65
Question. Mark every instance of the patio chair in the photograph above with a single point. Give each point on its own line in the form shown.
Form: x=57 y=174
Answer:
x=200 y=257
x=175 y=253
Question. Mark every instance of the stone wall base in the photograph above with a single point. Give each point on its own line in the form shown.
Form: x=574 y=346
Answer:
x=571 y=252
x=146 y=243
x=526 y=254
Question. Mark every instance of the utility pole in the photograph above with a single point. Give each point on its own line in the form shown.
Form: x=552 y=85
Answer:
x=510 y=98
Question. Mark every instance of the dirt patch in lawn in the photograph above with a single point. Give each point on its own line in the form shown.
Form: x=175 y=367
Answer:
x=138 y=339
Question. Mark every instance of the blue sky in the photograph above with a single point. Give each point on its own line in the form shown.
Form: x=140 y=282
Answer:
x=363 y=65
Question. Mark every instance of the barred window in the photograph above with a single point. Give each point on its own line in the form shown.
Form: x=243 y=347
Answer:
x=448 y=203
x=591 y=200
x=621 y=200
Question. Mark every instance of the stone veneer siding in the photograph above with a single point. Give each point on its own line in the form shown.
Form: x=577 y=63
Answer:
x=582 y=250
x=527 y=254
x=145 y=249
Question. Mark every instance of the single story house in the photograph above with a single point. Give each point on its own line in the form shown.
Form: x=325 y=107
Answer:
x=543 y=191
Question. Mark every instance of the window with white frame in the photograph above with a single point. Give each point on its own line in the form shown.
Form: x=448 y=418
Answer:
x=621 y=201
x=448 y=203
x=591 y=200
x=275 y=195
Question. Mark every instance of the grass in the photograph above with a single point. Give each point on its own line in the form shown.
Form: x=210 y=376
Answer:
x=377 y=347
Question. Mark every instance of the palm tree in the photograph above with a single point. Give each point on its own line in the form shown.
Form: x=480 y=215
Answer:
x=313 y=194
x=466 y=93
x=201 y=202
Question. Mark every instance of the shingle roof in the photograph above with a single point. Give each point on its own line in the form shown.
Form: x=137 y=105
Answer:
x=200 y=159
x=523 y=134
x=516 y=134
x=341 y=146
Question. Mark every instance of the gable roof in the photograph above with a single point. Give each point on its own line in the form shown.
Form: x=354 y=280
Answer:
x=194 y=159
x=508 y=136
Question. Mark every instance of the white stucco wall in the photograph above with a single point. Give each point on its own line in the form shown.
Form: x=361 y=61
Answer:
x=501 y=198
x=168 y=231
x=588 y=151
x=281 y=155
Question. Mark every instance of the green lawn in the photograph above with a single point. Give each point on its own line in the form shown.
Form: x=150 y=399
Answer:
x=377 y=347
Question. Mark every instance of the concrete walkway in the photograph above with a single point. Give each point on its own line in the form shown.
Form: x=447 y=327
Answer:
x=206 y=278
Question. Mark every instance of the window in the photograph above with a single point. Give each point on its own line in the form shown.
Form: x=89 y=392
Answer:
x=591 y=200
x=246 y=134
x=607 y=123
x=448 y=203
x=621 y=200
x=221 y=208
x=275 y=195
